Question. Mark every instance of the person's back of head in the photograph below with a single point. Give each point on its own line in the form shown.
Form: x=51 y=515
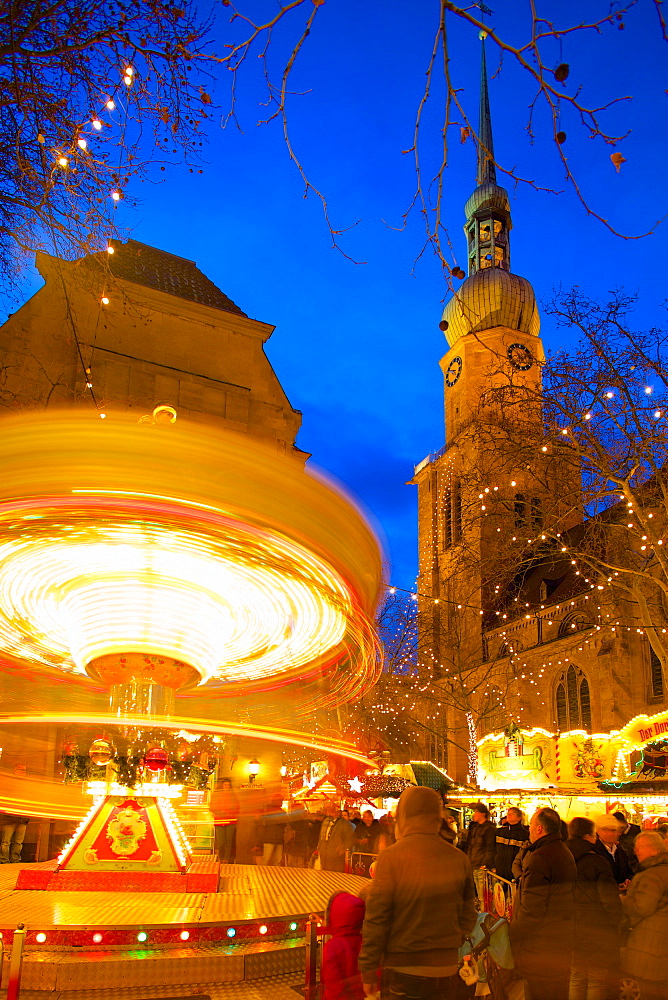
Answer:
x=344 y=914
x=621 y=817
x=581 y=827
x=549 y=819
x=419 y=811
x=648 y=844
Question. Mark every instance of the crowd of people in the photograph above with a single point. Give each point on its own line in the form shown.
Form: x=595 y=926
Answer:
x=591 y=906
x=590 y=899
x=322 y=839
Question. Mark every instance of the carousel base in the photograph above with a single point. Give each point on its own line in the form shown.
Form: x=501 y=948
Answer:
x=201 y=876
x=251 y=928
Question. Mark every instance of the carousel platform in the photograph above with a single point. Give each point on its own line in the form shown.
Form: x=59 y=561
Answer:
x=252 y=927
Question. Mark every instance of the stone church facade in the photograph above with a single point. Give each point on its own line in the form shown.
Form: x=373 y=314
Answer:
x=543 y=657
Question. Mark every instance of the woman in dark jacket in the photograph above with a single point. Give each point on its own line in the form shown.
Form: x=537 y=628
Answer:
x=598 y=914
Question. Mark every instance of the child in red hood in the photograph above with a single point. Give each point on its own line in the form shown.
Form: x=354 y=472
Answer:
x=341 y=979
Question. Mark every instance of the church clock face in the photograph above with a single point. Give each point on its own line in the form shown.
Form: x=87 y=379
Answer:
x=453 y=371
x=520 y=357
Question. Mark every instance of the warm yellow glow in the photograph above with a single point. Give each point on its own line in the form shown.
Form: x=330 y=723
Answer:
x=183 y=542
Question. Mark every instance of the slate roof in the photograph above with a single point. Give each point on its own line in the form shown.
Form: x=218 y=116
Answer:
x=145 y=265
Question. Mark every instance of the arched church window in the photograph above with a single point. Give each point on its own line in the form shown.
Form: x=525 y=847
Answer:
x=575 y=622
x=572 y=700
x=655 y=676
x=562 y=713
x=585 y=704
x=452 y=513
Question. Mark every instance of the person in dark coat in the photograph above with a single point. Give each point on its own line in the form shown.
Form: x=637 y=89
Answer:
x=480 y=844
x=629 y=832
x=336 y=838
x=367 y=834
x=510 y=837
x=340 y=975
x=598 y=915
x=645 y=956
x=608 y=830
x=541 y=931
x=419 y=907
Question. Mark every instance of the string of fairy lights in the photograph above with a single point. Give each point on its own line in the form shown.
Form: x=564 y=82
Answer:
x=550 y=621
x=63 y=160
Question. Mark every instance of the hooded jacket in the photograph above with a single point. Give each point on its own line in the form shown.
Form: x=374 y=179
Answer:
x=598 y=908
x=541 y=931
x=421 y=904
x=646 y=909
x=339 y=972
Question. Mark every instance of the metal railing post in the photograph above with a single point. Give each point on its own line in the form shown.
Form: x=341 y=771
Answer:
x=16 y=963
x=311 y=984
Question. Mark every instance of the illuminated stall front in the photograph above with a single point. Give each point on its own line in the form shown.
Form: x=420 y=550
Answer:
x=579 y=773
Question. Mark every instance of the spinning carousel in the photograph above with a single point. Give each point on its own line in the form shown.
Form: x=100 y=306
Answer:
x=173 y=567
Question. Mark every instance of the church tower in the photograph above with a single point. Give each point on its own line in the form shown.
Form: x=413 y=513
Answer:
x=491 y=323
x=492 y=389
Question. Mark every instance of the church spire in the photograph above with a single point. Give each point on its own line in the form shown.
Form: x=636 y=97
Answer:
x=488 y=221
x=486 y=168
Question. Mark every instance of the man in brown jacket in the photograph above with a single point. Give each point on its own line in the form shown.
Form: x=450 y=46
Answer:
x=541 y=931
x=420 y=907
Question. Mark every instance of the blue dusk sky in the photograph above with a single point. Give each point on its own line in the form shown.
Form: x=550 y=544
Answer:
x=357 y=345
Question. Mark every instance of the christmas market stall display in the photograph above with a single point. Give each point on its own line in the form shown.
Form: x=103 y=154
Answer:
x=579 y=773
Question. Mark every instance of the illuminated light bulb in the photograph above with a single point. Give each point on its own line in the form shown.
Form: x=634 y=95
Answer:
x=128 y=71
x=89 y=385
x=82 y=144
x=263 y=929
x=40 y=938
x=97 y=124
x=63 y=161
x=184 y=935
x=293 y=926
x=116 y=195
x=127 y=80
x=657 y=414
x=142 y=936
x=103 y=416
x=104 y=300
x=97 y=938
x=648 y=390
x=110 y=104
x=231 y=932
x=110 y=249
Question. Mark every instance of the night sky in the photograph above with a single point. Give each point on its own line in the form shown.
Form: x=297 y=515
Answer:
x=357 y=346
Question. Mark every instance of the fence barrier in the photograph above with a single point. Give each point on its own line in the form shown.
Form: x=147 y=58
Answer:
x=311 y=985
x=498 y=895
x=16 y=963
